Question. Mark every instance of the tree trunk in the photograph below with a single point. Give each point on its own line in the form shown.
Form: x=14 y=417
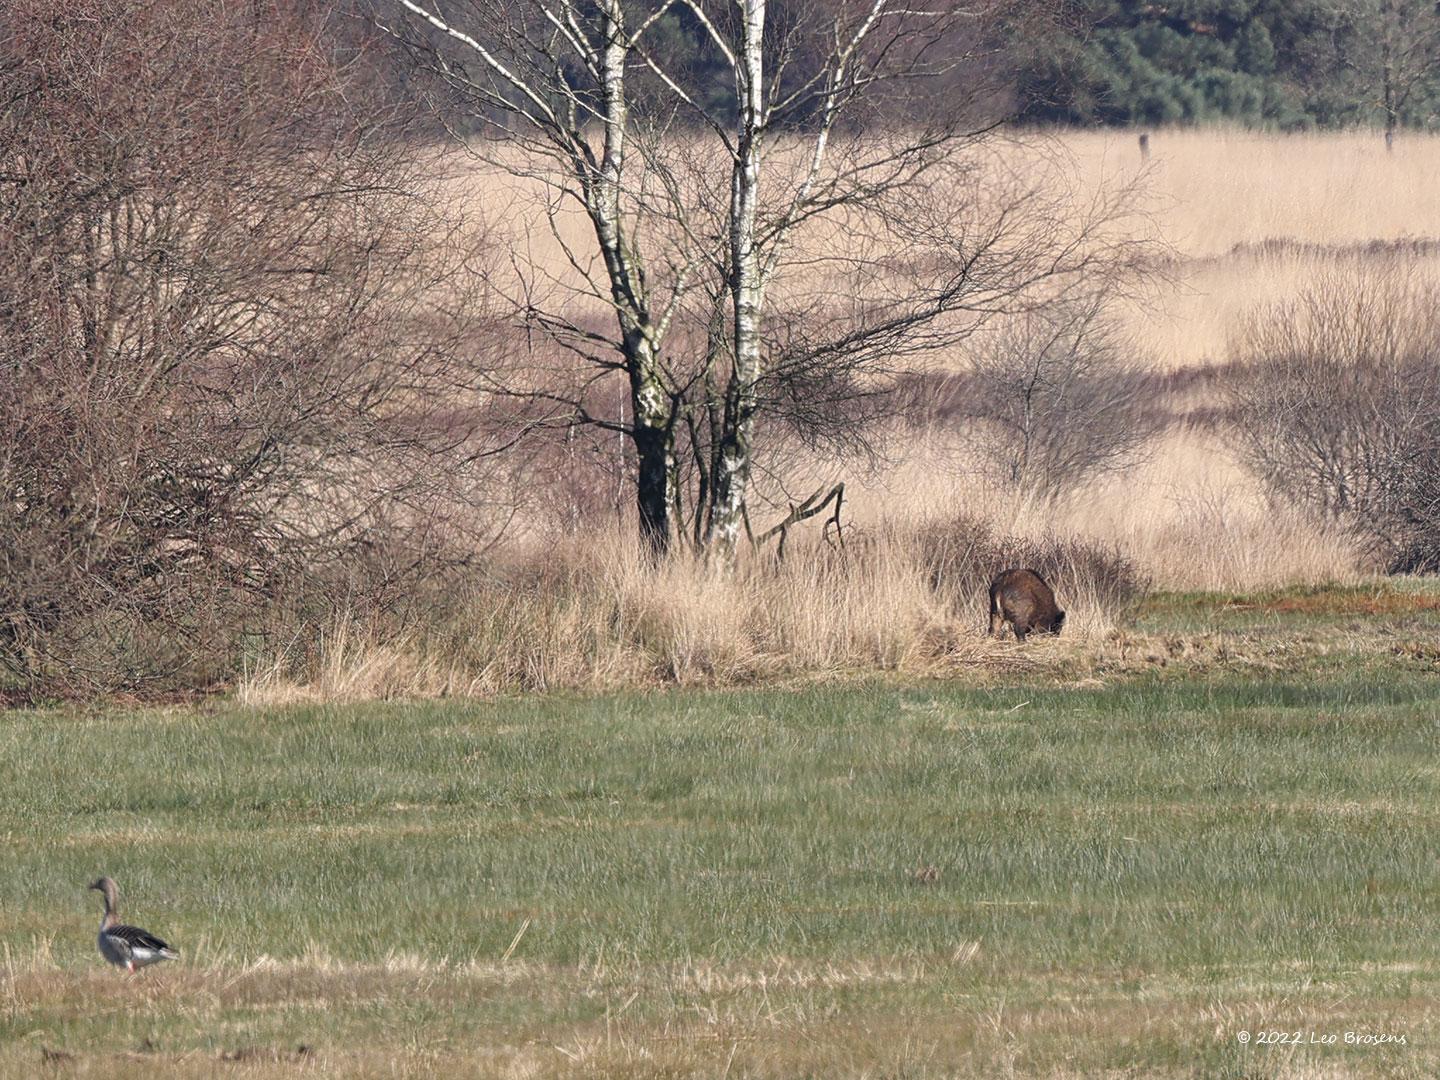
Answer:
x=747 y=288
x=653 y=433
x=1391 y=117
x=655 y=470
x=732 y=472
x=653 y=429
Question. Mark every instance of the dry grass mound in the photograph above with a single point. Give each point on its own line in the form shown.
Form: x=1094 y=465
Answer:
x=597 y=616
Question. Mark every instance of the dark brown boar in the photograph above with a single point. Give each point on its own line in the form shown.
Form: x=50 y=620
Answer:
x=1021 y=598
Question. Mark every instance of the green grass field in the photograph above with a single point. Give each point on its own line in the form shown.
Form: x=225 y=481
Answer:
x=1114 y=858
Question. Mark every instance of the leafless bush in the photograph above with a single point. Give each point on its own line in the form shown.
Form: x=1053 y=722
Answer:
x=228 y=326
x=1414 y=548
x=1057 y=398
x=1337 y=404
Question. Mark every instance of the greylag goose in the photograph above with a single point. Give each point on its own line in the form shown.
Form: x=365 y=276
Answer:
x=127 y=946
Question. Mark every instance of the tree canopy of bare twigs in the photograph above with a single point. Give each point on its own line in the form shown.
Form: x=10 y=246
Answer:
x=227 y=334
x=1057 y=397
x=765 y=257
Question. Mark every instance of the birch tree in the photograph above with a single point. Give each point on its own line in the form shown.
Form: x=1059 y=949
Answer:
x=548 y=82
x=859 y=223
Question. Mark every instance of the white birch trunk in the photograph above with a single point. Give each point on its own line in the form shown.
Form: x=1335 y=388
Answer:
x=747 y=288
x=653 y=410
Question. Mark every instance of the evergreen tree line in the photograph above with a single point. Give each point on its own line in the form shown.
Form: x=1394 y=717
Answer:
x=1288 y=64
x=1281 y=64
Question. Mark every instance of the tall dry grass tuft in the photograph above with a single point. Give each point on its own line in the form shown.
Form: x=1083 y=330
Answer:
x=1194 y=518
x=1096 y=581
x=597 y=615
x=1189 y=517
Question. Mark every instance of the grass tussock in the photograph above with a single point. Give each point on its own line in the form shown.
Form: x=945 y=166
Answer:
x=1097 y=580
x=908 y=598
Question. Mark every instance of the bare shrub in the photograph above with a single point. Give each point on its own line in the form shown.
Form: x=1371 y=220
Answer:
x=1337 y=403
x=227 y=341
x=1415 y=546
x=1058 y=397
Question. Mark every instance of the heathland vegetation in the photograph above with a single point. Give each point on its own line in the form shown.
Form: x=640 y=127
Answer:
x=306 y=396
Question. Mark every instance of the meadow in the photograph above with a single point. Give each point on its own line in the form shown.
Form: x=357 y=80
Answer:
x=1250 y=219
x=1069 y=861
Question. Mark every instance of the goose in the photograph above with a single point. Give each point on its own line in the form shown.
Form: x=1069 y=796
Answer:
x=127 y=946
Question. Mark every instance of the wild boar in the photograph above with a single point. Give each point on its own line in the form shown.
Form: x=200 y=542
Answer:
x=1021 y=598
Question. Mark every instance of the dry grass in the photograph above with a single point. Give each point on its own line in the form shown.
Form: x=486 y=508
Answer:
x=597 y=615
x=1189 y=322
x=779 y=1019
x=1252 y=218
x=1190 y=516
x=1214 y=189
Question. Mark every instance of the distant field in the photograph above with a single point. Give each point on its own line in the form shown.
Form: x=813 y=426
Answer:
x=1251 y=219
x=1082 y=860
